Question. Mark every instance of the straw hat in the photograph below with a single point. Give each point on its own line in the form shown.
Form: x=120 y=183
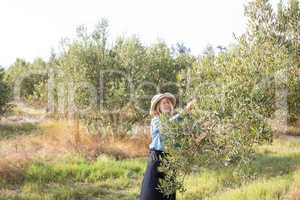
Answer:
x=156 y=98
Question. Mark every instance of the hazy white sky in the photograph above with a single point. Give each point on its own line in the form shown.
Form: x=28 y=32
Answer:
x=30 y=28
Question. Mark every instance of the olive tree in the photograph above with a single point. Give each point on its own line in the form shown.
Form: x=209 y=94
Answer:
x=242 y=94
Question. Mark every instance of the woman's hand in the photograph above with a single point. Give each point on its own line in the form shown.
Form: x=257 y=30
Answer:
x=190 y=105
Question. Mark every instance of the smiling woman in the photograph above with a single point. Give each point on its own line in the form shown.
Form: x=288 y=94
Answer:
x=161 y=104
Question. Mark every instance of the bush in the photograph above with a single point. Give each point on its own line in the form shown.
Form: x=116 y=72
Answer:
x=4 y=93
x=242 y=94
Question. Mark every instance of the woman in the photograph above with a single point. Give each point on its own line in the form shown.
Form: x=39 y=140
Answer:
x=160 y=103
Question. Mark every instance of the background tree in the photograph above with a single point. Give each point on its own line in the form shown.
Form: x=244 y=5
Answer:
x=4 y=93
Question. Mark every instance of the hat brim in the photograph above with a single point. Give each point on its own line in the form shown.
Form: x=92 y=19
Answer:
x=165 y=95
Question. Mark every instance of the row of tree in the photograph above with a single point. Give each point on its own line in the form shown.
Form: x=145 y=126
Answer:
x=93 y=78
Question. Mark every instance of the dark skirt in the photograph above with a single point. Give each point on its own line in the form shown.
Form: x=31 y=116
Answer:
x=151 y=178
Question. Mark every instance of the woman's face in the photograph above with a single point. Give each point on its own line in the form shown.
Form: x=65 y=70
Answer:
x=165 y=105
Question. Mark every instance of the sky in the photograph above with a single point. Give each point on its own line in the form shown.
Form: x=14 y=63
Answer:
x=31 y=28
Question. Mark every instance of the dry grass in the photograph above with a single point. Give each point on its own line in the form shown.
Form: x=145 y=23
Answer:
x=294 y=191
x=12 y=168
x=57 y=139
x=293 y=131
x=296 y=123
x=294 y=128
x=293 y=194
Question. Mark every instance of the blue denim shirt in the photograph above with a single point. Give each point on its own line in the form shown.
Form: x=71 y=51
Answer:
x=158 y=138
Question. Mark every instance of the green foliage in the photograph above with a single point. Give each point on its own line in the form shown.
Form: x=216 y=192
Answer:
x=29 y=79
x=82 y=171
x=4 y=93
x=9 y=131
x=242 y=94
x=114 y=84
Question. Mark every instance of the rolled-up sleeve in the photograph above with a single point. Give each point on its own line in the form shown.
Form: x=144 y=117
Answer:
x=157 y=139
x=177 y=117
